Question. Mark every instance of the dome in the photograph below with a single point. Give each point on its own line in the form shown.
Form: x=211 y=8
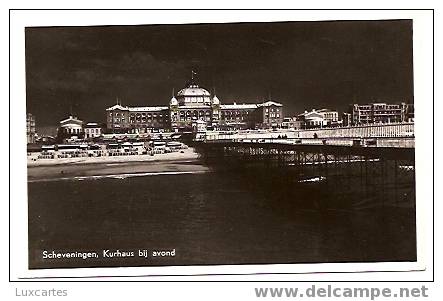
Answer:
x=215 y=100
x=193 y=90
x=193 y=95
x=173 y=101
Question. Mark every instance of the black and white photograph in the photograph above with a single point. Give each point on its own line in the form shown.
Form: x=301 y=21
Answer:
x=220 y=144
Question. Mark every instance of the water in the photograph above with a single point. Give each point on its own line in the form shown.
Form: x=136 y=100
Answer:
x=213 y=218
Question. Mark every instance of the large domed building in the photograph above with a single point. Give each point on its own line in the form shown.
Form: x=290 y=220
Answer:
x=194 y=104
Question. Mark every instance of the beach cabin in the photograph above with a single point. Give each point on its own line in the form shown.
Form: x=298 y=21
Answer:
x=72 y=150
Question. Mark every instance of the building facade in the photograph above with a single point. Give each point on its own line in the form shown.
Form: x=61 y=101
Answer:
x=319 y=118
x=380 y=113
x=92 y=130
x=237 y=116
x=268 y=115
x=292 y=123
x=191 y=104
x=30 y=128
x=71 y=126
x=136 y=119
x=331 y=117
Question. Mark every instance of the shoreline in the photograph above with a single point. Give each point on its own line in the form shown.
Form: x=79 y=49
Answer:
x=188 y=154
x=116 y=167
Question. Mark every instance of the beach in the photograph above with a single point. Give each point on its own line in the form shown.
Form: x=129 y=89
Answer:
x=121 y=166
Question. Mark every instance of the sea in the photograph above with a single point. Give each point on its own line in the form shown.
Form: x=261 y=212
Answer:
x=218 y=217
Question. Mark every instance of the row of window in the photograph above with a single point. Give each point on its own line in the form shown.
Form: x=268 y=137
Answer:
x=73 y=131
x=189 y=118
x=195 y=113
x=194 y=99
x=379 y=107
x=228 y=113
x=92 y=131
x=379 y=113
x=117 y=114
x=272 y=110
x=233 y=118
x=122 y=116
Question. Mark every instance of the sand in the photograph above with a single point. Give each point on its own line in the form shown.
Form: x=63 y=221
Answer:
x=187 y=154
x=69 y=168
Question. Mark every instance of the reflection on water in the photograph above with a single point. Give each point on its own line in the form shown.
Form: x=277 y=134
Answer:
x=217 y=218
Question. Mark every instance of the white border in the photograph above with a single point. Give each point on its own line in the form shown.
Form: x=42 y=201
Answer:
x=423 y=64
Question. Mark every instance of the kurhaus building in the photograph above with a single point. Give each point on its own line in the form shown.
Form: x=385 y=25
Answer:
x=190 y=105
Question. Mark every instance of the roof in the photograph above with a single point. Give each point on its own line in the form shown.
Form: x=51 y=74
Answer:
x=317 y=112
x=235 y=106
x=173 y=101
x=71 y=119
x=193 y=90
x=196 y=106
x=312 y=114
x=117 y=107
x=137 y=109
x=325 y=111
x=92 y=125
x=270 y=103
x=147 y=109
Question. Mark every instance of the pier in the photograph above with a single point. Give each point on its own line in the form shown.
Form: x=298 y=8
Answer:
x=377 y=167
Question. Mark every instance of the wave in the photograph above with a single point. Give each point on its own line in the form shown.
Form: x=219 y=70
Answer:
x=118 y=176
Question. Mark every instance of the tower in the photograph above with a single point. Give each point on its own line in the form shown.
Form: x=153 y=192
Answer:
x=173 y=111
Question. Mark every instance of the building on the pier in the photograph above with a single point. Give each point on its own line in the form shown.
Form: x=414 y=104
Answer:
x=380 y=113
x=30 y=128
x=190 y=104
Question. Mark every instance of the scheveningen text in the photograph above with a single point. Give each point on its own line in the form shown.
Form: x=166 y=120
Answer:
x=68 y=255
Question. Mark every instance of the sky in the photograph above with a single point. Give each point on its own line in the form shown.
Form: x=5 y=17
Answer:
x=303 y=65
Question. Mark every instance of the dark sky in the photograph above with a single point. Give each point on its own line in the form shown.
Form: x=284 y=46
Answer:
x=303 y=65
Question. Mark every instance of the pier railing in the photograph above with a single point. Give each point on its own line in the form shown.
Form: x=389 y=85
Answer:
x=354 y=170
x=367 y=131
x=375 y=135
